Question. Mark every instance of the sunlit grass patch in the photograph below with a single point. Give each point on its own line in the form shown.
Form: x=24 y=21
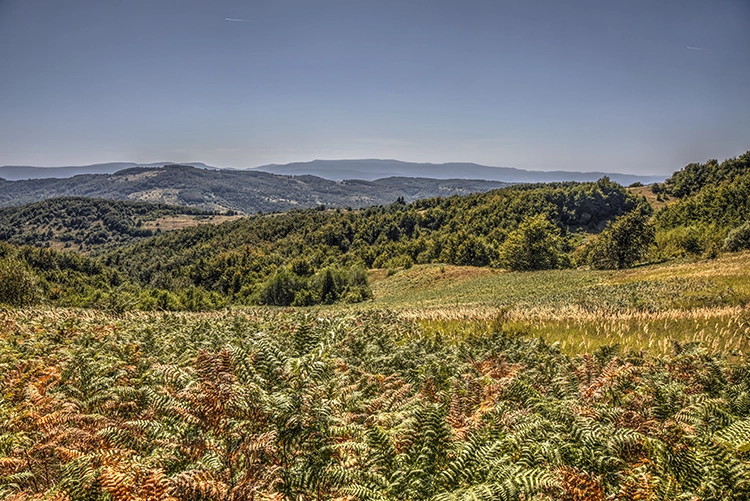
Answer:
x=646 y=308
x=445 y=285
x=718 y=330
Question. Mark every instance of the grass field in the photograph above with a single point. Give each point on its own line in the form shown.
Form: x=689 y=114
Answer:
x=647 y=308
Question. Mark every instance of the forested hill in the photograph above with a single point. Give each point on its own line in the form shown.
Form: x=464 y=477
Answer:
x=708 y=208
x=313 y=256
x=277 y=259
x=227 y=190
x=86 y=224
x=695 y=176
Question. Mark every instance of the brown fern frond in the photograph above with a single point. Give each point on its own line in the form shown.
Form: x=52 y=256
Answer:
x=578 y=485
x=155 y=487
x=611 y=376
x=117 y=483
x=193 y=483
x=639 y=486
x=587 y=370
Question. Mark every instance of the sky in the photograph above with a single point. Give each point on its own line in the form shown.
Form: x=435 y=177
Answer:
x=629 y=86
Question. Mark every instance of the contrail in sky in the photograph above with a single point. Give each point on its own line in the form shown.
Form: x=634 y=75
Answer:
x=693 y=48
x=237 y=20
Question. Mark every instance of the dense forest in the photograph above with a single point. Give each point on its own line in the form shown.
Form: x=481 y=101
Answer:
x=314 y=256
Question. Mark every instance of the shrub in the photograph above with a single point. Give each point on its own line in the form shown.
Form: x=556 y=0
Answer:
x=281 y=289
x=695 y=240
x=18 y=285
x=738 y=238
x=622 y=243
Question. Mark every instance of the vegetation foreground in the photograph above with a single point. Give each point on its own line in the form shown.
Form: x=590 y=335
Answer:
x=282 y=404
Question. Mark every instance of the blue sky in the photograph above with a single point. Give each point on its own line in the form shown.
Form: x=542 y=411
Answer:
x=619 y=86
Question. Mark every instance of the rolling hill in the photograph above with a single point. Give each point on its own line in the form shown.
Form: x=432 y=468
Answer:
x=233 y=190
x=90 y=224
x=20 y=172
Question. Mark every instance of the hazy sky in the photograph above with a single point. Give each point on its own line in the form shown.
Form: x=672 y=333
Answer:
x=620 y=86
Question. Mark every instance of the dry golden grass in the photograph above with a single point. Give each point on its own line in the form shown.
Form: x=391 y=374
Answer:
x=650 y=196
x=725 y=330
x=647 y=308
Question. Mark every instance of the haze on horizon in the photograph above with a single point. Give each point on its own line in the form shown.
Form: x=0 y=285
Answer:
x=636 y=87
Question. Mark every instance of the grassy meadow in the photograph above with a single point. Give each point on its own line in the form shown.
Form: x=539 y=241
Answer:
x=646 y=308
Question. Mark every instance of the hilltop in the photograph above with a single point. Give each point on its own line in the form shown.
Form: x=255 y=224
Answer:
x=21 y=172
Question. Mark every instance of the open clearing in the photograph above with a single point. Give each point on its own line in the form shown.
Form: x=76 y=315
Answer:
x=646 y=308
x=170 y=223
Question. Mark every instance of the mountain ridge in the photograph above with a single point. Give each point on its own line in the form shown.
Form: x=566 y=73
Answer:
x=246 y=191
x=339 y=170
x=25 y=172
x=372 y=169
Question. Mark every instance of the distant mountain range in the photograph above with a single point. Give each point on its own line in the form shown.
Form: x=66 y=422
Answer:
x=245 y=191
x=19 y=172
x=377 y=169
x=339 y=170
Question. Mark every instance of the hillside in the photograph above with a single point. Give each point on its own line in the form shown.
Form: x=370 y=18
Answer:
x=288 y=405
x=87 y=224
x=21 y=172
x=707 y=208
x=372 y=169
x=316 y=256
x=229 y=190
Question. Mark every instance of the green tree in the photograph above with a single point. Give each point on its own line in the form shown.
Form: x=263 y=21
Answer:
x=534 y=245
x=622 y=243
x=280 y=289
x=18 y=285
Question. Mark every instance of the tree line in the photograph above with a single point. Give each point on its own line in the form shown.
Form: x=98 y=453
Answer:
x=320 y=255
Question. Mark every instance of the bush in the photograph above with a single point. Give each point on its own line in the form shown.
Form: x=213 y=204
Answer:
x=692 y=240
x=281 y=289
x=738 y=238
x=18 y=285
